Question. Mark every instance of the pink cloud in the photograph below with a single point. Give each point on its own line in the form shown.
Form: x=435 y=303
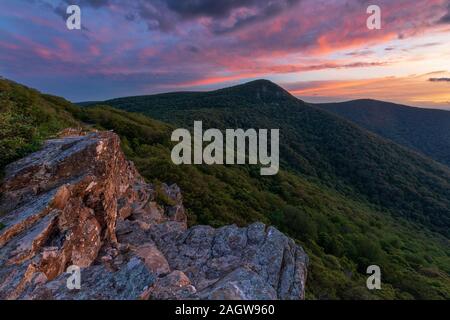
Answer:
x=308 y=36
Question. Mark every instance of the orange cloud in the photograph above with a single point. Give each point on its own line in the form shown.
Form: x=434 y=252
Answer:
x=414 y=90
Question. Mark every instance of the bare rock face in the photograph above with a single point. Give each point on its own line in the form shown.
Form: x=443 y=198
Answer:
x=79 y=202
x=257 y=262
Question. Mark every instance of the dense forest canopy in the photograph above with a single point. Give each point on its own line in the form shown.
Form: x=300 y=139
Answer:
x=349 y=198
x=424 y=130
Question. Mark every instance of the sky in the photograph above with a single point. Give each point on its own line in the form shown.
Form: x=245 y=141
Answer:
x=319 y=50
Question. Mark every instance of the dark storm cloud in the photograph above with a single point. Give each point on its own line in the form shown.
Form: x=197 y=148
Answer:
x=90 y=3
x=164 y=15
x=221 y=10
x=155 y=13
x=209 y=8
x=263 y=11
x=446 y=17
x=60 y=7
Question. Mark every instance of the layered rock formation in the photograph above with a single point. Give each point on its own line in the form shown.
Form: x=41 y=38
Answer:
x=79 y=202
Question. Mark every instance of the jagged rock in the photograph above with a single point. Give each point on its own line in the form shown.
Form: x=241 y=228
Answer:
x=66 y=196
x=256 y=262
x=78 y=201
x=174 y=286
x=240 y=284
x=99 y=283
x=154 y=259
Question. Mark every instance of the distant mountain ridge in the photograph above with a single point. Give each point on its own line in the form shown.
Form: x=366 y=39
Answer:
x=317 y=144
x=253 y=94
x=424 y=130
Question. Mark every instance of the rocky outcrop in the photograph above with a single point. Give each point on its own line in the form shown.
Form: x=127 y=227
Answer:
x=79 y=202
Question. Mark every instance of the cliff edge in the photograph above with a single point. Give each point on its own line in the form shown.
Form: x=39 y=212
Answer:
x=79 y=202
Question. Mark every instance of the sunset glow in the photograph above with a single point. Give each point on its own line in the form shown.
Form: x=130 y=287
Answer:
x=318 y=50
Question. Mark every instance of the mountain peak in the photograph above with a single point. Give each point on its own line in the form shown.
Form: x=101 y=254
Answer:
x=262 y=82
x=260 y=89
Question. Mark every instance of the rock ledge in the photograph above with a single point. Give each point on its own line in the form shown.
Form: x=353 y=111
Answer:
x=78 y=201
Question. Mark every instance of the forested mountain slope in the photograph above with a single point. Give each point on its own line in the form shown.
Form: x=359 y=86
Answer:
x=317 y=145
x=424 y=130
x=343 y=229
